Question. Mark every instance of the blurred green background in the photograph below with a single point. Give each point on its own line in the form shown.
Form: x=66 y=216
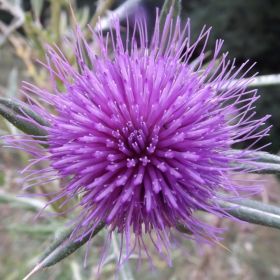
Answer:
x=251 y=30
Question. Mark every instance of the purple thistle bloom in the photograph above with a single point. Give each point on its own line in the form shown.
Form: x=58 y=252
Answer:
x=145 y=138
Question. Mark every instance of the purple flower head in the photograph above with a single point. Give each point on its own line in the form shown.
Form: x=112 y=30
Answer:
x=145 y=138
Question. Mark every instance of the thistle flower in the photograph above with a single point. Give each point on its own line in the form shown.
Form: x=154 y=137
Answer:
x=144 y=139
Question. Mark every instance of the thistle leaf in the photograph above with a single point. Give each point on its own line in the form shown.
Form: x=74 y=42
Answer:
x=253 y=212
x=258 y=168
x=37 y=6
x=246 y=210
x=173 y=6
x=258 y=156
x=12 y=112
x=58 y=250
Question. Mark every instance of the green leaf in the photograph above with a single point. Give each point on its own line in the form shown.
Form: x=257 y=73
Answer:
x=258 y=156
x=259 y=206
x=254 y=212
x=12 y=110
x=24 y=203
x=63 y=236
x=261 y=168
x=258 y=162
x=259 y=81
x=59 y=251
x=173 y=6
x=266 y=80
x=12 y=86
x=36 y=230
x=246 y=210
x=37 y=6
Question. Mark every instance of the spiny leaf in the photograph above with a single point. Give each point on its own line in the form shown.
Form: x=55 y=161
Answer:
x=258 y=156
x=253 y=212
x=12 y=110
x=173 y=6
x=58 y=250
x=37 y=6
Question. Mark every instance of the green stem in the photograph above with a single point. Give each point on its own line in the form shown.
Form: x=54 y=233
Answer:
x=100 y=11
x=55 y=20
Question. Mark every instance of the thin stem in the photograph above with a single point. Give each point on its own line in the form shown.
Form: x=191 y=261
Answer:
x=55 y=20
x=100 y=11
